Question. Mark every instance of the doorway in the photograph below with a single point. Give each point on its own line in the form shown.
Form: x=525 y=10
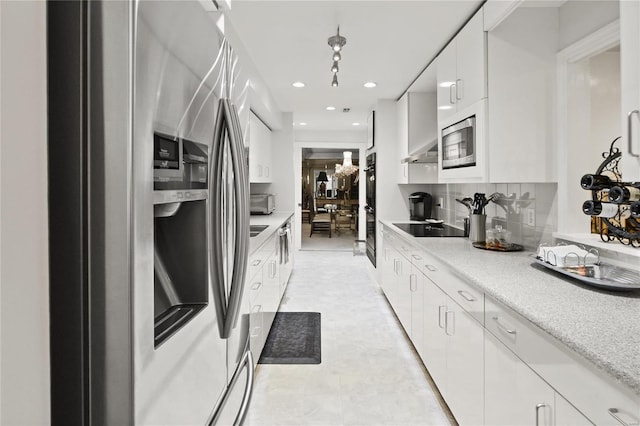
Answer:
x=329 y=204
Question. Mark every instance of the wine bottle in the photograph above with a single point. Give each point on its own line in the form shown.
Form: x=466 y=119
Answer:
x=600 y=209
x=635 y=209
x=597 y=182
x=622 y=194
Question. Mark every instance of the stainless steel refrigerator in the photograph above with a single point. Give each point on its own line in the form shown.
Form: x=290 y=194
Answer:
x=148 y=193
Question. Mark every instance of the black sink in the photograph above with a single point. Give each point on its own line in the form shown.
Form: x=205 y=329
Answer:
x=255 y=230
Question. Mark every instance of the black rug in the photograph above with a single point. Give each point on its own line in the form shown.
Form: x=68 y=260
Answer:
x=294 y=339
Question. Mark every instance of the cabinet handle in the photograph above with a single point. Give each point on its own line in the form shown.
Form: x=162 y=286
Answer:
x=452 y=100
x=266 y=171
x=452 y=322
x=256 y=262
x=440 y=308
x=466 y=296
x=538 y=407
x=614 y=413
x=256 y=286
x=431 y=268
x=259 y=170
x=459 y=85
x=255 y=332
x=256 y=309
x=416 y=257
x=629 y=133
x=413 y=282
x=503 y=327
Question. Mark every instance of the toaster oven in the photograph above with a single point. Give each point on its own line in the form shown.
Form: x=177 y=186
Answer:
x=262 y=203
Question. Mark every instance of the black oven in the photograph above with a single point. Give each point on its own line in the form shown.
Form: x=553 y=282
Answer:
x=370 y=208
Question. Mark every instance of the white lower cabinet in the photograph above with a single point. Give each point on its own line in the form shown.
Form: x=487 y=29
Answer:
x=514 y=394
x=434 y=335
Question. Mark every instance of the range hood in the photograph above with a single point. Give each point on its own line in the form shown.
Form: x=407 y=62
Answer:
x=426 y=154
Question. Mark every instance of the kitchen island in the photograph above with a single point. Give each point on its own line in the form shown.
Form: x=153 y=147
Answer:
x=598 y=330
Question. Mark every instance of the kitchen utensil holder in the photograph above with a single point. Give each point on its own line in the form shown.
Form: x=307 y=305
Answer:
x=613 y=228
x=477 y=227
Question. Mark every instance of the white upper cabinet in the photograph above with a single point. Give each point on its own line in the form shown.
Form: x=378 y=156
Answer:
x=417 y=129
x=260 y=151
x=462 y=69
x=521 y=96
x=630 y=85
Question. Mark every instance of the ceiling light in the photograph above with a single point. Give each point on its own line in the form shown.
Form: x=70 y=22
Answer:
x=444 y=107
x=355 y=124
x=330 y=108
x=337 y=56
x=447 y=83
x=337 y=41
x=370 y=84
x=346 y=168
x=334 y=67
x=334 y=82
x=302 y=124
x=298 y=84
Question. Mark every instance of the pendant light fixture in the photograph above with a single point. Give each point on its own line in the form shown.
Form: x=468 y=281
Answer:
x=336 y=42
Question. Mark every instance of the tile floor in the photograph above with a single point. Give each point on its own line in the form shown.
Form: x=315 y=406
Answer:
x=369 y=373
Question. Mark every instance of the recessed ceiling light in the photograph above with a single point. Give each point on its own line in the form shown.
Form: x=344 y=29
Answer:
x=298 y=84
x=330 y=108
x=444 y=107
x=302 y=124
x=447 y=83
x=355 y=124
x=370 y=84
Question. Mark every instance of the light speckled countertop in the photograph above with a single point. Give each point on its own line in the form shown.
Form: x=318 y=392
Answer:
x=273 y=221
x=602 y=326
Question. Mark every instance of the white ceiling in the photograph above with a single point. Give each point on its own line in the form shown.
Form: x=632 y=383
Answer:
x=389 y=42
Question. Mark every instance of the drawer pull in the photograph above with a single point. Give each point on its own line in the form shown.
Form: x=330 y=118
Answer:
x=440 y=310
x=256 y=286
x=614 y=413
x=466 y=296
x=256 y=309
x=416 y=257
x=255 y=332
x=538 y=407
x=431 y=268
x=256 y=262
x=503 y=327
x=413 y=282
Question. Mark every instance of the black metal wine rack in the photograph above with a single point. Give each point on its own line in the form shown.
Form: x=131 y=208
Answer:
x=620 y=228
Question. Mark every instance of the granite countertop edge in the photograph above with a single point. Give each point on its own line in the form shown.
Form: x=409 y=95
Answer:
x=455 y=251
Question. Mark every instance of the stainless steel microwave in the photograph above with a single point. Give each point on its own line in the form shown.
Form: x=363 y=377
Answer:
x=459 y=144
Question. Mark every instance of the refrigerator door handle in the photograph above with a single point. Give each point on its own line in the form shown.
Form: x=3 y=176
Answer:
x=245 y=362
x=215 y=219
x=241 y=218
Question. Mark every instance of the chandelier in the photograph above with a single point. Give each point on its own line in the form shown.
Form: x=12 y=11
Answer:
x=346 y=168
x=336 y=42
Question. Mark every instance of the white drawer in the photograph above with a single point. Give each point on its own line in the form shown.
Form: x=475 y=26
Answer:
x=463 y=293
x=594 y=393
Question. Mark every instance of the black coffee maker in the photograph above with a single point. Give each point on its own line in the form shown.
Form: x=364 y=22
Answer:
x=420 y=206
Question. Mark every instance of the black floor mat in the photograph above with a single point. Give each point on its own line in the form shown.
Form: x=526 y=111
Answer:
x=294 y=339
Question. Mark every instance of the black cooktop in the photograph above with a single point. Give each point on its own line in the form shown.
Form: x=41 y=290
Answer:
x=420 y=230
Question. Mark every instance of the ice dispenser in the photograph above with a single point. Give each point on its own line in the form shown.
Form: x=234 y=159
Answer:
x=180 y=241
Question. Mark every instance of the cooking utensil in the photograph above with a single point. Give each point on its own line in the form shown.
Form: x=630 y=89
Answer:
x=479 y=203
x=466 y=202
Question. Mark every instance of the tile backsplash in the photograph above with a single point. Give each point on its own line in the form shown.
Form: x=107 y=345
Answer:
x=528 y=210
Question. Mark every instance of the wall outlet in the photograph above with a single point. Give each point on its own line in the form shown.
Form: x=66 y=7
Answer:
x=441 y=202
x=531 y=217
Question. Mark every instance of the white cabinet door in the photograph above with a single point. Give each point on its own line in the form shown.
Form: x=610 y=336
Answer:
x=402 y=302
x=417 y=282
x=434 y=337
x=568 y=415
x=630 y=93
x=260 y=156
x=447 y=77
x=271 y=291
x=514 y=394
x=471 y=81
x=465 y=366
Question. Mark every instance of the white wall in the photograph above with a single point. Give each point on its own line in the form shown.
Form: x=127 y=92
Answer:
x=24 y=290
x=581 y=18
x=329 y=136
